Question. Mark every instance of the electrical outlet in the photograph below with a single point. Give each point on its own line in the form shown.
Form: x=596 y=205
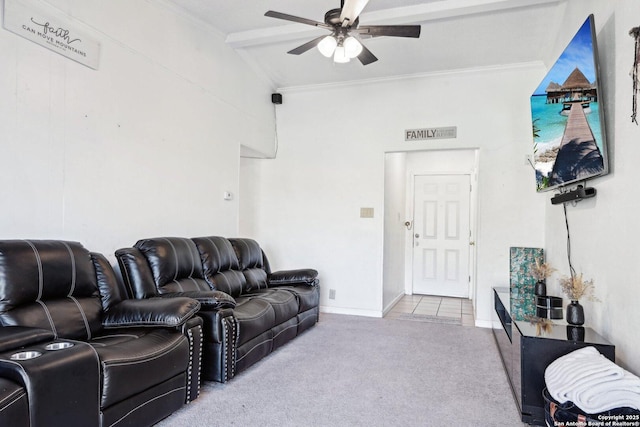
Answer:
x=332 y=294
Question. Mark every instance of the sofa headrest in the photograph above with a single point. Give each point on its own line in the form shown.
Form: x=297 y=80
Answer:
x=174 y=262
x=248 y=252
x=252 y=263
x=217 y=254
x=49 y=284
x=220 y=265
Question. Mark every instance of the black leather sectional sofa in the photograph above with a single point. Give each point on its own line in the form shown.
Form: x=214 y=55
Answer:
x=75 y=351
x=248 y=310
x=80 y=347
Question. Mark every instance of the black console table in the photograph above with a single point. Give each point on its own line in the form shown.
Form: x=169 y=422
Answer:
x=526 y=352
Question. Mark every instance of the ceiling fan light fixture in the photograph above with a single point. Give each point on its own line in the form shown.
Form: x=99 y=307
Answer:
x=327 y=46
x=352 y=47
x=340 y=55
x=340 y=22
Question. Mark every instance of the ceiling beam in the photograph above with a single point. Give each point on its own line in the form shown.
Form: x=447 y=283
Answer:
x=416 y=14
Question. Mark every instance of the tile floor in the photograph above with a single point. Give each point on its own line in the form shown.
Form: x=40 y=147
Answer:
x=428 y=305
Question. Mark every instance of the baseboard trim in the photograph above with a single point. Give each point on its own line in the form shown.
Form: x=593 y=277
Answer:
x=393 y=303
x=350 y=311
x=484 y=324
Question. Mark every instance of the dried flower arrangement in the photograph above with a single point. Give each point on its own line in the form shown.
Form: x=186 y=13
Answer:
x=542 y=270
x=575 y=287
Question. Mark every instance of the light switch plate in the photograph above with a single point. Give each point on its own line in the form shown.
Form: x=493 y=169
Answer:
x=366 y=212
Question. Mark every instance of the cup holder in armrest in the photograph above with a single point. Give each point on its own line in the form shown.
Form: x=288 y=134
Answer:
x=25 y=355
x=58 y=346
x=32 y=354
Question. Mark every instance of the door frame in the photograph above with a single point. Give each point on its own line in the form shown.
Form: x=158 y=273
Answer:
x=473 y=223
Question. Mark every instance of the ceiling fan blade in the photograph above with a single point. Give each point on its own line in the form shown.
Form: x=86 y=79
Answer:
x=279 y=15
x=389 y=30
x=351 y=10
x=366 y=57
x=305 y=47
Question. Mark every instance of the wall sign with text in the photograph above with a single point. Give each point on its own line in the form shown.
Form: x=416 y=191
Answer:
x=430 y=133
x=28 y=21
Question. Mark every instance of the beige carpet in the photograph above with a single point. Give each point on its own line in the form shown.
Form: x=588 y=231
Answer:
x=359 y=371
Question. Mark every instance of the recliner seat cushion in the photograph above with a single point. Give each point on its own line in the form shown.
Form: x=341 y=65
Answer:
x=283 y=302
x=308 y=296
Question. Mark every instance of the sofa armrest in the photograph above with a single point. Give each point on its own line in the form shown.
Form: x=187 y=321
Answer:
x=209 y=300
x=14 y=337
x=63 y=387
x=152 y=312
x=306 y=276
x=136 y=273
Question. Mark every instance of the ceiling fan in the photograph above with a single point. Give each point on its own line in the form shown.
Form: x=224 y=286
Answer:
x=343 y=43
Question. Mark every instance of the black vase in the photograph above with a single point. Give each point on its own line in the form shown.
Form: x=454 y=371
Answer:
x=575 y=313
x=541 y=288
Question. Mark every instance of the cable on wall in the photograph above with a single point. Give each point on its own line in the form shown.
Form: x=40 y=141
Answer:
x=566 y=221
x=275 y=130
x=635 y=73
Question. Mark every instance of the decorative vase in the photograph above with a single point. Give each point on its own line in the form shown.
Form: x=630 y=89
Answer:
x=575 y=313
x=541 y=288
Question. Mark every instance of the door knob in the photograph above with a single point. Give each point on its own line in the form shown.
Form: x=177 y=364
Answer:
x=417 y=235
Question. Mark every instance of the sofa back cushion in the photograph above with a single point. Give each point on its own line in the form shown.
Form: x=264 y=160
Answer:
x=252 y=262
x=175 y=264
x=220 y=265
x=49 y=284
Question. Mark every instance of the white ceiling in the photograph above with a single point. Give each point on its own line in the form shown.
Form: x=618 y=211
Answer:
x=456 y=34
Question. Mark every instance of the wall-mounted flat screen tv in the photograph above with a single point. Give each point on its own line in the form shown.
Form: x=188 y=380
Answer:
x=568 y=120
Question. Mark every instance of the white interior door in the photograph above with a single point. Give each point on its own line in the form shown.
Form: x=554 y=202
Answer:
x=441 y=235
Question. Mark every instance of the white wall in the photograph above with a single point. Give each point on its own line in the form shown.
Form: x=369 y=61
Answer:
x=605 y=230
x=331 y=162
x=144 y=146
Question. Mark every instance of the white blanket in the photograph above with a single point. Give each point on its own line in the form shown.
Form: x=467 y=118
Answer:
x=620 y=392
x=592 y=382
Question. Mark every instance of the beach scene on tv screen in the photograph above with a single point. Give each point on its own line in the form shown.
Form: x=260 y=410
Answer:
x=568 y=140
